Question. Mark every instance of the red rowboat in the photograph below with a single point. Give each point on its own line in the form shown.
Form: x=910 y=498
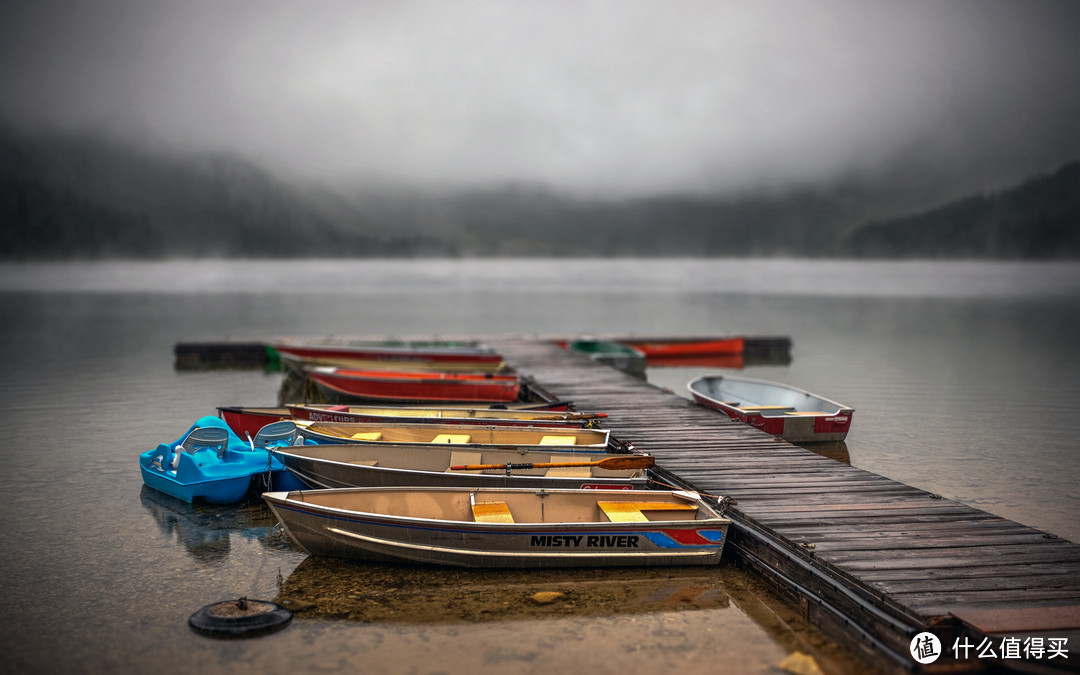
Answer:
x=390 y=385
x=248 y=420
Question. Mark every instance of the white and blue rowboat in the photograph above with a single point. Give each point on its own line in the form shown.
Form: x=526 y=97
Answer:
x=504 y=527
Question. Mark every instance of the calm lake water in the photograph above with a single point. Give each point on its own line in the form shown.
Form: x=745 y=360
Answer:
x=964 y=377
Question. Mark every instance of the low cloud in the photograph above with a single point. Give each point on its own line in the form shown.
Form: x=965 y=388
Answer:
x=609 y=98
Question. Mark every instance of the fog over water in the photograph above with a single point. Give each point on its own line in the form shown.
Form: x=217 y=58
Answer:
x=608 y=98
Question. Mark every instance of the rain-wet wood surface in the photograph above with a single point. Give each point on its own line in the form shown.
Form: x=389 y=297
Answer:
x=871 y=560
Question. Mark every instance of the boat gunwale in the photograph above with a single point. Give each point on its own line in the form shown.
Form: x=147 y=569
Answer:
x=480 y=416
x=415 y=377
x=308 y=428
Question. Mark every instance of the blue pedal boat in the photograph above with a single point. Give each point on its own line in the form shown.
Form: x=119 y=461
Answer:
x=212 y=464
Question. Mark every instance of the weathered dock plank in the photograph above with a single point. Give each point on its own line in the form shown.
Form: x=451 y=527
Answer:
x=872 y=559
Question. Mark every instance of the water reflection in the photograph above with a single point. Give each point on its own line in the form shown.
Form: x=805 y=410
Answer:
x=370 y=593
x=205 y=531
x=692 y=613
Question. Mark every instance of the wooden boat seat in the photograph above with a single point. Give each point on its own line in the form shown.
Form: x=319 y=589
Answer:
x=631 y=512
x=366 y=462
x=492 y=512
x=451 y=438
x=807 y=412
x=569 y=472
x=368 y=435
x=774 y=408
x=557 y=440
x=460 y=457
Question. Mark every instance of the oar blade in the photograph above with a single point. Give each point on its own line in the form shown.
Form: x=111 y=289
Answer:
x=627 y=462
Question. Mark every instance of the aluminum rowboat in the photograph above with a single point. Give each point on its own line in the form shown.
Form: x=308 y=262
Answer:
x=795 y=415
x=335 y=466
x=562 y=439
x=504 y=528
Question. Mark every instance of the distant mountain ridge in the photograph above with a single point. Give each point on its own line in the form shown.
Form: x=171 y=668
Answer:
x=83 y=198
x=78 y=197
x=1037 y=219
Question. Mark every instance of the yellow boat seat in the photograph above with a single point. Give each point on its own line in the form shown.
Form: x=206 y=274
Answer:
x=460 y=457
x=631 y=512
x=809 y=413
x=492 y=512
x=451 y=438
x=557 y=440
x=766 y=407
x=367 y=435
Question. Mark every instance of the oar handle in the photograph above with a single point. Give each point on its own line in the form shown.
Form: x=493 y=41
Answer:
x=509 y=466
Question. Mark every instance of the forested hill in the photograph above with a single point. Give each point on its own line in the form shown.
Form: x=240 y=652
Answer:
x=83 y=198
x=78 y=197
x=1038 y=219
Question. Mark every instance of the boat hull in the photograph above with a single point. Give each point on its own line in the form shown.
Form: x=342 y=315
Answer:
x=379 y=537
x=394 y=387
x=688 y=347
x=615 y=354
x=791 y=413
x=227 y=490
x=246 y=422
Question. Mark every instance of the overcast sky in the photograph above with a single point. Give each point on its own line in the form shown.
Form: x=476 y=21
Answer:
x=622 y=97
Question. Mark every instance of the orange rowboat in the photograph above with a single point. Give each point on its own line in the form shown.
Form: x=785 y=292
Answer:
x=680 y=347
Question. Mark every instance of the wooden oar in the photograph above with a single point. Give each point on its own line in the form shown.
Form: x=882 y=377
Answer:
x=617 y=462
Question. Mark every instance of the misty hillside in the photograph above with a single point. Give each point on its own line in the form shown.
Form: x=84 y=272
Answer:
x=81 y=198
x=1038 y=219
x=68 y=197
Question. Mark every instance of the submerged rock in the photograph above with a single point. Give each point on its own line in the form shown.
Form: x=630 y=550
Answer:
x=800 y=664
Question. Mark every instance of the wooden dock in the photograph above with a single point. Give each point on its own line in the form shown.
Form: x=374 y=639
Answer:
x=870 y=560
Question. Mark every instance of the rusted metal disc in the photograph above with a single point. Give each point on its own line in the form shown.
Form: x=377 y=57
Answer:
x=240 y=618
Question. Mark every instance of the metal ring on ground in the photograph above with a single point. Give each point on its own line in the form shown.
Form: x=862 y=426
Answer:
x=240 y=618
